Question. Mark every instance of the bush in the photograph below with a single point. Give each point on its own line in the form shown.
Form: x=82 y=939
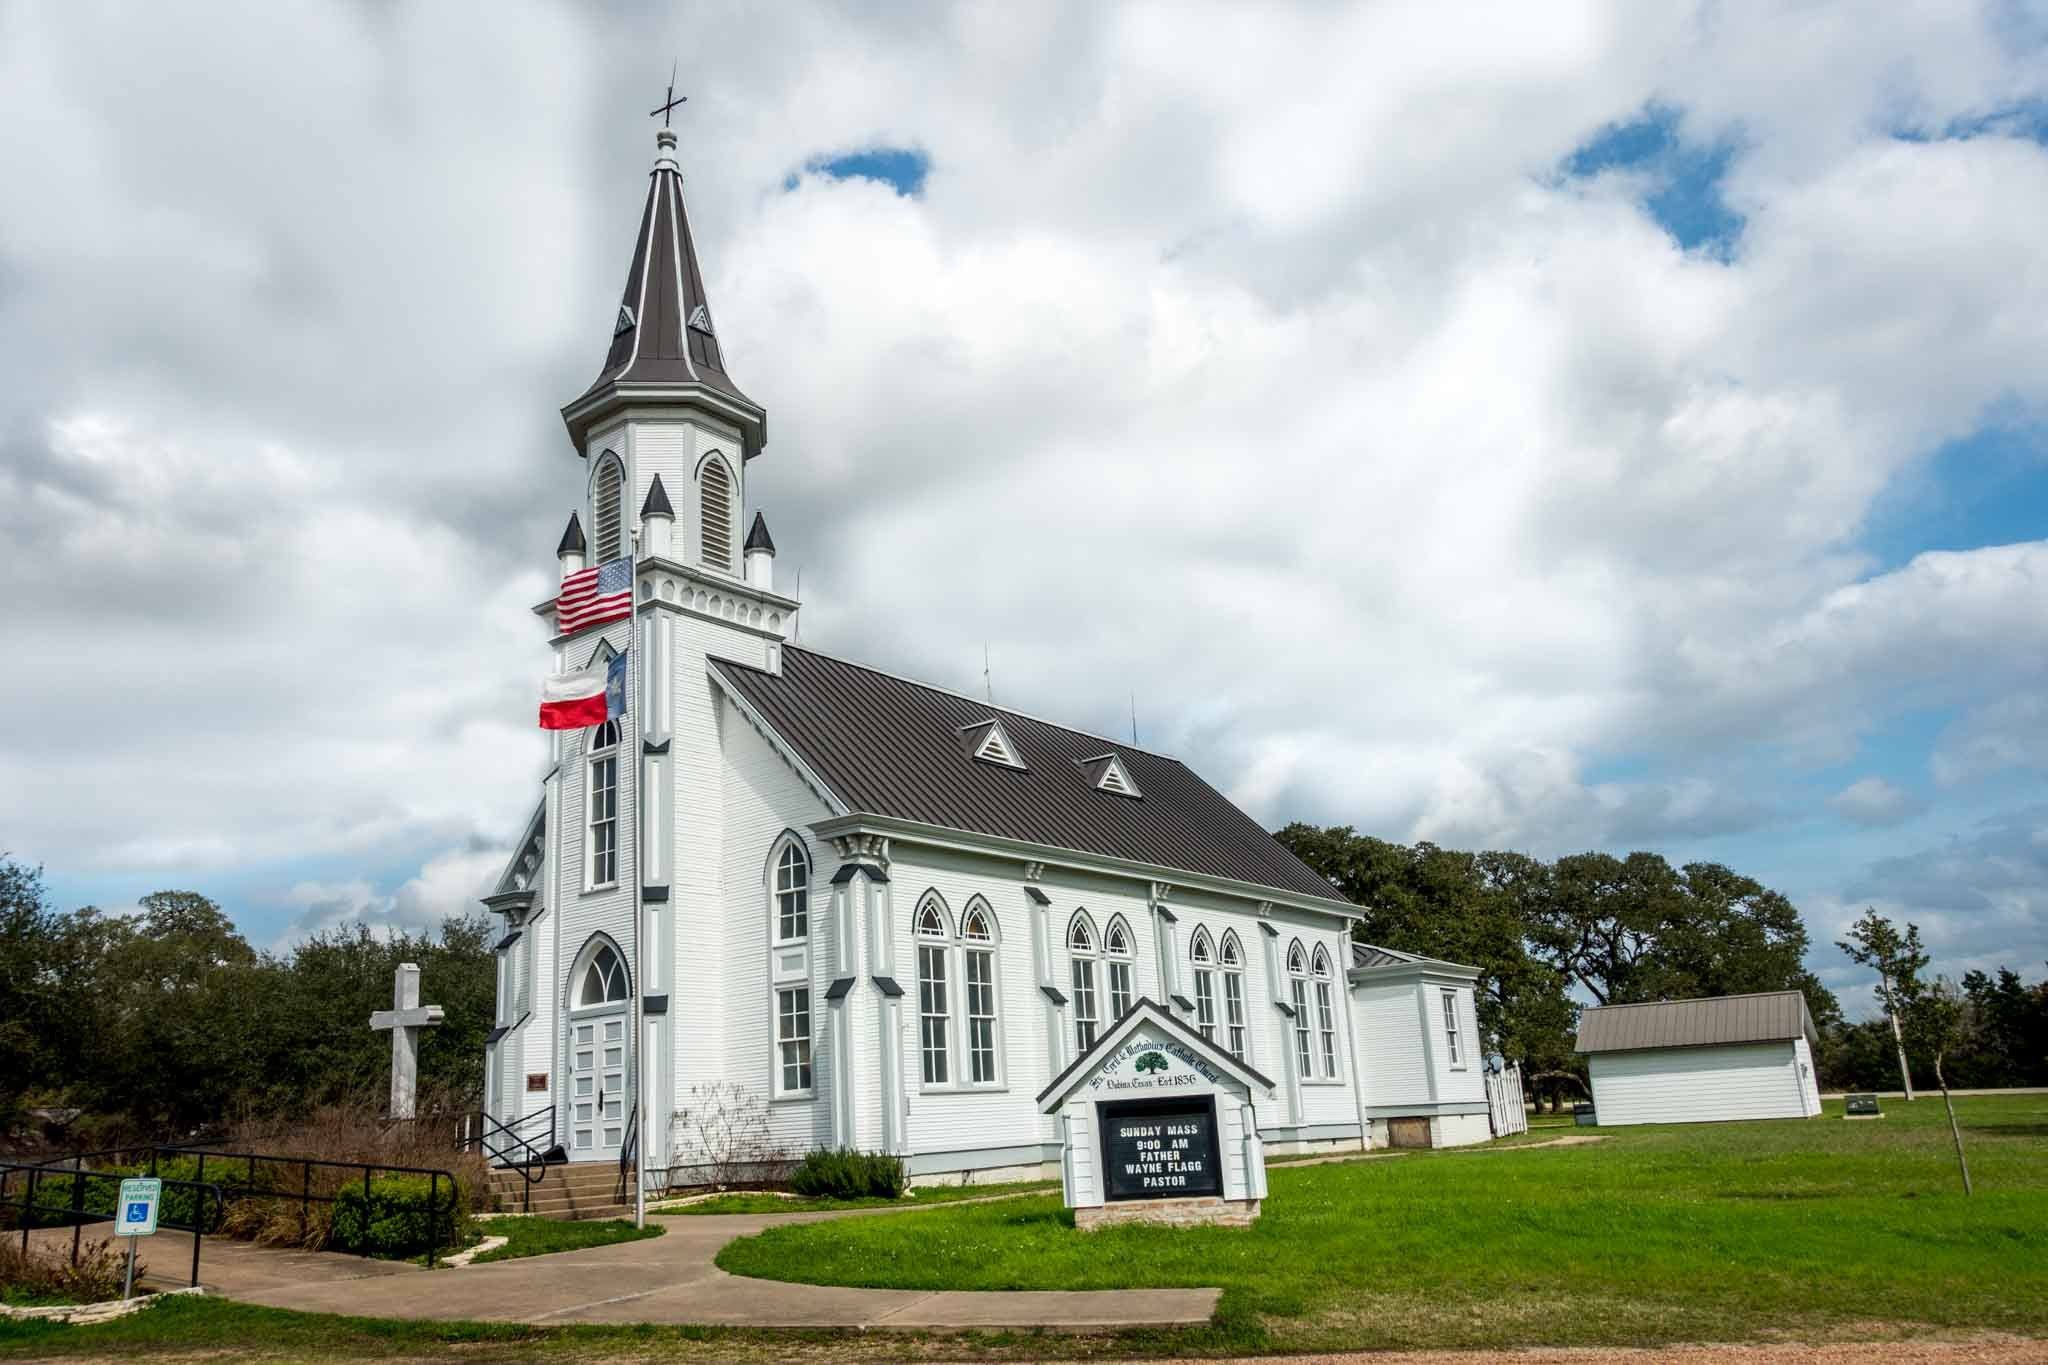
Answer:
x=40 y=1275
x=394 y=1218
x=842 y=1173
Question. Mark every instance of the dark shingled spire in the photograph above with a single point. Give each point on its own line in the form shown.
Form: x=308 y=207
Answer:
x=572 y=539
x=757 y=536
x=657 y=502
x=663 y=334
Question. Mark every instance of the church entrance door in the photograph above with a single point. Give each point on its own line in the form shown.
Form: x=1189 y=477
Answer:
x=597 y=1085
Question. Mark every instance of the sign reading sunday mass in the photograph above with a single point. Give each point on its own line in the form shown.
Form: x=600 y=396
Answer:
x=1157 y=1126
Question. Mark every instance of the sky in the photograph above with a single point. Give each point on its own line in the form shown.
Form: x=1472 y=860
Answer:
x=1578 y=426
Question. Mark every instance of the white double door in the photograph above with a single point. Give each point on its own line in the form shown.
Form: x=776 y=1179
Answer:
x=598 y=1073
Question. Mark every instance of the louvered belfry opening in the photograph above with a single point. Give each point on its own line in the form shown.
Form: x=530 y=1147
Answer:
x=604 y=509
x=714 y=488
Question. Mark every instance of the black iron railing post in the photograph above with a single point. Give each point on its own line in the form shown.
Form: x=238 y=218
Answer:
x=77 y=1209
x=28 y=1211
x=305 y=1198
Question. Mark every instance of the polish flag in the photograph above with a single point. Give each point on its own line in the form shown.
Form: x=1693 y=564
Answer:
x=584 y=696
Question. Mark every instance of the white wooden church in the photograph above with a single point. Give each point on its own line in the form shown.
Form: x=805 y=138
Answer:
x=889 y=912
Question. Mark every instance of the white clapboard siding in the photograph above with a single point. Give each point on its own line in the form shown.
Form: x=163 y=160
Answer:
x=1700 y=1084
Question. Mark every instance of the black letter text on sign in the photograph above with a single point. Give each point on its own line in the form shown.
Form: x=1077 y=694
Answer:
x=1160 y=1149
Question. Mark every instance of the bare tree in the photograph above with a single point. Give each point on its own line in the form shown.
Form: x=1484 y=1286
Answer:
x=723 y=1135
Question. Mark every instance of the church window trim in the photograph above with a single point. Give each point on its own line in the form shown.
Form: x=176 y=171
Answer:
x=1326 y=1015
x=601 y=808
x=1202 y=958
x=1230 y=958
x=1297 y=991
x=981 y=995
x=1082 y=954
x=1455 y=1052
x=795 y=1072
x=931 y=931
x=789 y=890
x=608 y=522
x=1118 y=964
x=717 y=514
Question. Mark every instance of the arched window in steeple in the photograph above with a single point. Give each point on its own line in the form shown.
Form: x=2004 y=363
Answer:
x=715 y=513
x=607 y=508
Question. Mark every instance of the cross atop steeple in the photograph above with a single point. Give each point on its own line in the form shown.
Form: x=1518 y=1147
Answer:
x=671 y=102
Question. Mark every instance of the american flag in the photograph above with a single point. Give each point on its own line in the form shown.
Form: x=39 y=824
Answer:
x=593 y=596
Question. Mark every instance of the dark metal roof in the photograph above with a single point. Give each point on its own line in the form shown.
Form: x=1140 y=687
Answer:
x=664 y=333
x=1371 y=955
x=1774 y=1016
x=657 y=501
x=572 y=538
x=758 y=537
x=890 y=747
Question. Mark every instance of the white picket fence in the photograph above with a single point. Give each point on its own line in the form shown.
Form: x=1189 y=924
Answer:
x=1505 y=1109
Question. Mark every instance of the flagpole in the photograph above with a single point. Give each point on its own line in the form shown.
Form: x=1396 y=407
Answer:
x=639 y=910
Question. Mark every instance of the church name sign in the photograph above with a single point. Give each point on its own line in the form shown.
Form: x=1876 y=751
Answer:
x=1157 y=1125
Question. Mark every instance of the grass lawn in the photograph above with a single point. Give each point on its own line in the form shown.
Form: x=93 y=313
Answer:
x=1713 y=1232
x=532 y=1235
x=748 y=1201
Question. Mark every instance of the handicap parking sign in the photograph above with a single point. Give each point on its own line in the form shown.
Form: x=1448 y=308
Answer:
x=135 y=1211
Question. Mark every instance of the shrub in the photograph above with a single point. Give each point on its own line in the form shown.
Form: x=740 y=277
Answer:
x=393 y=1217
x=46 y=1275
x=843 y=1173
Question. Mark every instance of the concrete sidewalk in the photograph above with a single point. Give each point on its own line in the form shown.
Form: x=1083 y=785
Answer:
x=666 y=1279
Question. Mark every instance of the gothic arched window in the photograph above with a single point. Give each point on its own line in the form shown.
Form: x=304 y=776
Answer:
x=934 y=1007
x=601 y=798
x=1203 y=955
x=1082 y=949
x=1231 y=956
x=607 y=509
x=978 y=961
x=604 y=979
x=715 y=519
x=792 y=892
x=1297 y=991
x=1326 y=1014
x=1116 y=948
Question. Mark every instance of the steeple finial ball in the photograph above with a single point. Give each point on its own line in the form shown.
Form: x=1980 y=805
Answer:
x=665 y=149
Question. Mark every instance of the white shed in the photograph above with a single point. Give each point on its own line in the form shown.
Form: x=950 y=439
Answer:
x=1702 y=1061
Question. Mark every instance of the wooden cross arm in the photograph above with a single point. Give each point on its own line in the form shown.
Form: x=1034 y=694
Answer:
x=417 y=1017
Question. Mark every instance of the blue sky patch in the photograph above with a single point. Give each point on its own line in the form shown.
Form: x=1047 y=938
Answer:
x=1988 y=488
x=903 y=169
x=1685 y=194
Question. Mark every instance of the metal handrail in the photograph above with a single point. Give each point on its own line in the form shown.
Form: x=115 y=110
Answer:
x=77 y=1215
x=248 y=1188
x=532 y=1165
x=629 y=1150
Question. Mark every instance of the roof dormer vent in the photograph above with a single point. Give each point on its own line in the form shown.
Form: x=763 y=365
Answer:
x=988 y=743
x=1108 y=774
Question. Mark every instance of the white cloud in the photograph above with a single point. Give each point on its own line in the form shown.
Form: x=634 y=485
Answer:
x=1875 y=803
x=1258 y=362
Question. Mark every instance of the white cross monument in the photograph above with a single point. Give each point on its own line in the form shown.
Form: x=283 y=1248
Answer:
x=405 y=1019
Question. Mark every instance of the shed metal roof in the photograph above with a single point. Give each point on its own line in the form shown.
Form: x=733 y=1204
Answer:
x=891 y=747
x=1772 y=1016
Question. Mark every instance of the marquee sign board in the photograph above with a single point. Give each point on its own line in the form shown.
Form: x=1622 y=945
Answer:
x=1862 y=1107
x=1158 y=1126
x=1160 y=1149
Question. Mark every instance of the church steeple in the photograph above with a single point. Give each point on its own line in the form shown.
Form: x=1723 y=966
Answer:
x=664 y=344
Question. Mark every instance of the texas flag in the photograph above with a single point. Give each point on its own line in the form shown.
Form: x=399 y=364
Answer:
x=584 y=697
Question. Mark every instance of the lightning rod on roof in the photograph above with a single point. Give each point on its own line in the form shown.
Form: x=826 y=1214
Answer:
x=988 y=685
x=1134 y=719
